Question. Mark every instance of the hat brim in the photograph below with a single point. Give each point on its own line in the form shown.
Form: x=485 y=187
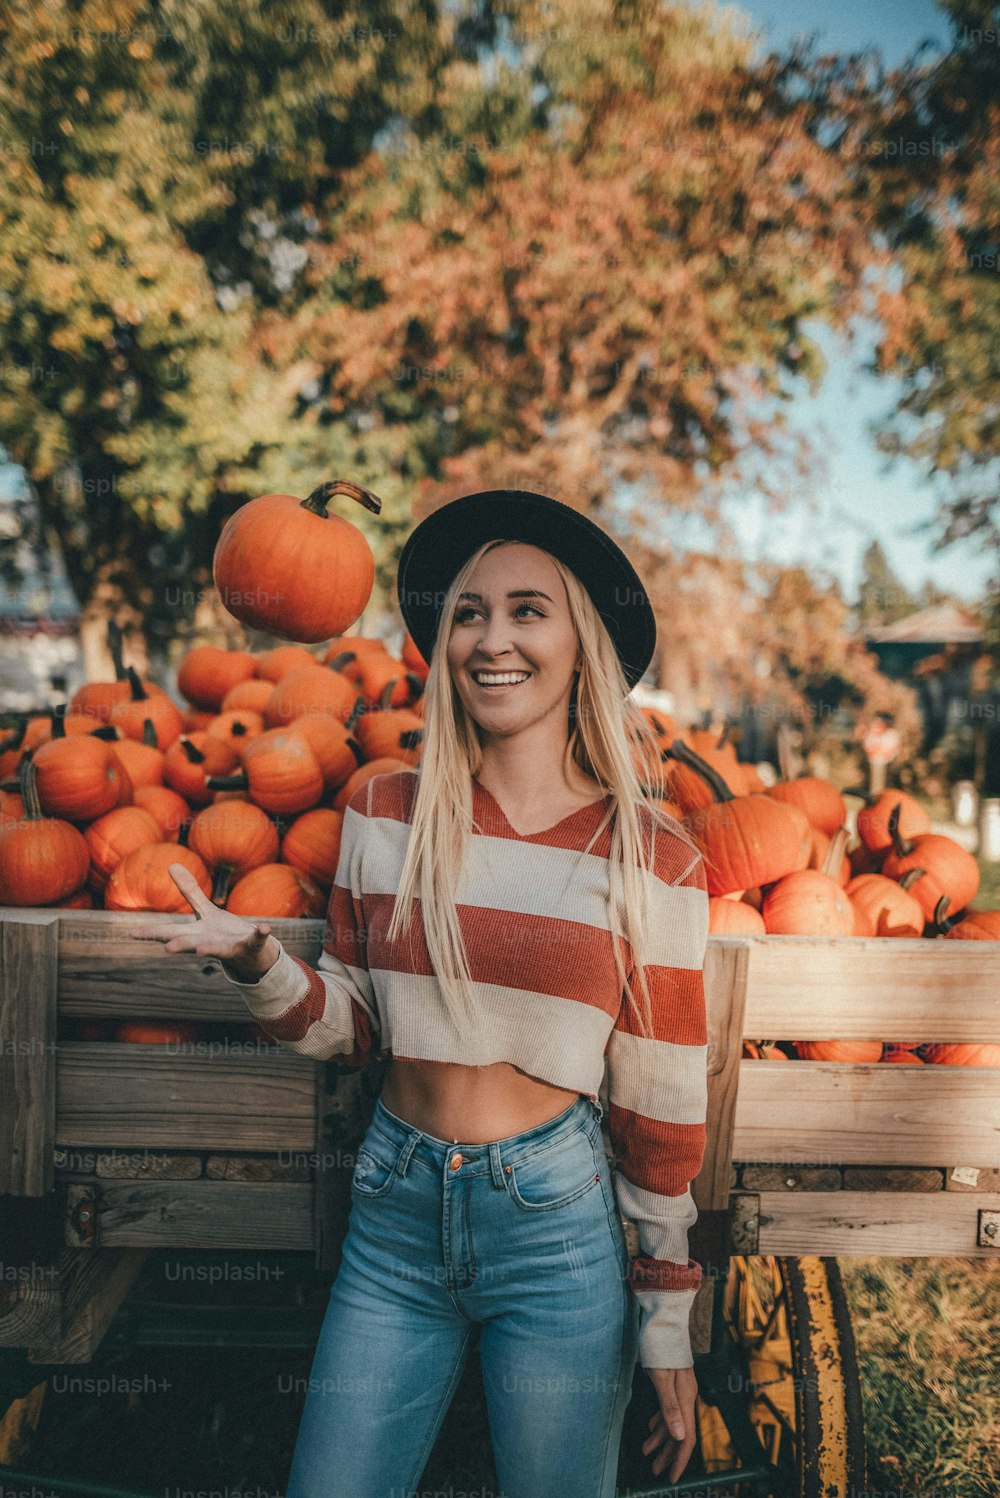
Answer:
x=441 y=543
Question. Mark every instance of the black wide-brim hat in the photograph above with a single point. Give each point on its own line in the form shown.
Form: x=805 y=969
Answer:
x=438 y=546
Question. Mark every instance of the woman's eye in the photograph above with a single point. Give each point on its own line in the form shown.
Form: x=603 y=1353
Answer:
x=463 y=614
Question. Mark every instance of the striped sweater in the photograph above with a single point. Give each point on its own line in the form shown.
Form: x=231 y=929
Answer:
x=535 y=920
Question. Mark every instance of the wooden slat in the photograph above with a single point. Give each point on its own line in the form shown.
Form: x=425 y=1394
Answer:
x=821 y=1113
x=103 y=971
x=725 y=993
x=29 y=946
x=870 y=1222
x=871 y=988
x=162 y=1097
x=93 y=1287
x=203 y=1214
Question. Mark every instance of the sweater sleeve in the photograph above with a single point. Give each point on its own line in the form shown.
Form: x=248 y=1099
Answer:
x=657 y=1091
x=327 y=1011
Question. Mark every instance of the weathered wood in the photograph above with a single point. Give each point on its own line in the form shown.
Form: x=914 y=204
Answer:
x=725 y=995
x=148 y=1165
x=30 y=1302
x=290 y=1166
x=870 y=988
x=903 y=1224
x=164 y=1097
x=104 y=971
x=789 y=1178
x=203 y=1214
x=824 y=1113
x=885 y=1178
x=93 y=1288
x=29 y=955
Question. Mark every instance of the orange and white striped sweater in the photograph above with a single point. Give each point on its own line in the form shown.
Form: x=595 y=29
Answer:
x=534 y=914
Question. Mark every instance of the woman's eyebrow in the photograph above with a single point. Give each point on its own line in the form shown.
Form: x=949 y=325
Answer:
x=520 y=593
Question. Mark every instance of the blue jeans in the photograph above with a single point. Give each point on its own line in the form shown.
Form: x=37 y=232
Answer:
x=519 y=1238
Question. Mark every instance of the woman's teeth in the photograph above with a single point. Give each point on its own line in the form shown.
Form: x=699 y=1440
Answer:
x=496 y=683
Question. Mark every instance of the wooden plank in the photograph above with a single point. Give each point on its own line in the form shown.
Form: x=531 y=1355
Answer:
x=30 y=1302
x=164 y=1097
x=870 y=1222
x=885 y=1178
x=106 y=972
x=94 y=1287
x=871 y=988
x=29 y=954
x=203 y=1214
x=825 y=1113
x=725 y=994
x=788 y=1178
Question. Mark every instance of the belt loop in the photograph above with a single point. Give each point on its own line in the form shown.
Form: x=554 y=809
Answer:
x=496 y=1167
x=403 y=1158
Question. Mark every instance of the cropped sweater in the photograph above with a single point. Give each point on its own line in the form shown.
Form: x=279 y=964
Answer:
x=534 y=912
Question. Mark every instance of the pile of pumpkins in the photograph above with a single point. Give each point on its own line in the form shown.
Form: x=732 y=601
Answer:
x=246 y=782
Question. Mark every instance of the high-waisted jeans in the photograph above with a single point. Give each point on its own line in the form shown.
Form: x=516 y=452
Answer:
x=519 y=1238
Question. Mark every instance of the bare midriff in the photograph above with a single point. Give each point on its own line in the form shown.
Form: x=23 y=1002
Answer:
x=471 y=1104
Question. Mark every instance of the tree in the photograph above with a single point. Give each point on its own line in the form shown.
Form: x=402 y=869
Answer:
x=882 y=598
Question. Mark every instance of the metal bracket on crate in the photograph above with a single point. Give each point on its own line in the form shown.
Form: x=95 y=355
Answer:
x=81 y=1215
x=744 y=1222
x=988 y=1229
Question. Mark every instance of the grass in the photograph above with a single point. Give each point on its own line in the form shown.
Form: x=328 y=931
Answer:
x=927 y=1332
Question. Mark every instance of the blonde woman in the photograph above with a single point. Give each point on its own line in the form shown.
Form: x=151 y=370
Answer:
x=516 y=926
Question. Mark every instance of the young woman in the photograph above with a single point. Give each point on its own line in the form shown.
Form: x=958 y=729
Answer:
x=517 y=927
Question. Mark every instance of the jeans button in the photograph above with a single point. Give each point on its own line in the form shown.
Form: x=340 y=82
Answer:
x=455 y=1162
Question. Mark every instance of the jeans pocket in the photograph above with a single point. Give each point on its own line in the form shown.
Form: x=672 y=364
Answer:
x=375 y=1167
x=555 y=1175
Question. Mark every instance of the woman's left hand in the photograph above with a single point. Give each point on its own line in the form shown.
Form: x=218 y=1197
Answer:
x=672 y=1426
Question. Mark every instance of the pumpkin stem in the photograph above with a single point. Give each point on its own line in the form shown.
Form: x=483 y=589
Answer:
x=194 y=754
x=58 y=721
x=139 y=693
x=238 y=730
x=27 y=786
x=343 y=659
x=910 y=877
x=149 y=734
x=240 y=782
x=901 y=845
x=686 y=756
x=357 y=711
x=107 y=731
x=17 y=737
x=834 y=853
x=221 y=881
x=115 y=646
x=942 y=922
x=356 y=750
x=411 y=738
x=385 y=696
x=416 y=684
x=323 y=493
x=724 y=735
x=182 y=834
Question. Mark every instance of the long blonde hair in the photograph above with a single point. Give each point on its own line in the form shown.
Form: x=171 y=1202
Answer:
x=608 y=736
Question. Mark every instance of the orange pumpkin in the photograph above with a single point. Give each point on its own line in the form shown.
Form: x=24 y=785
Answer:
x=232 y=837
x=277 y=890
x=839 y=1050
x=312 y=844
x=156 y=1032
x=285 y=566
x=314 y=691
x=337 y=751
x=898 y=1053
x=280 y=771
x=42 y=859
x=733 y=918
x=873 y=820
x=362 y=775
x=130 y=715
x=236 y=726
x=889 y=908
x=142 y=880
x=411 y=657
x=167 y=807
x=194 y=720
x=80 y=778
x=252 y=696
x=962 y=1055
x=807 y=903
x=393 y=732
x=975 y=925
x=207 y=672
x=142 y=760
x=111 y=837
x=344 y=653
x=273 y=665
x=192 y=759
x=385 y=682
x=817 y=797
x=945 y=868
x=748 y=841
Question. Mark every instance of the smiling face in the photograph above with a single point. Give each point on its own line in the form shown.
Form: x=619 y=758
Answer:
x=531 y=638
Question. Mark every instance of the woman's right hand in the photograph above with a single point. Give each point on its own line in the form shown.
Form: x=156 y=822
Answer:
x=247 y=946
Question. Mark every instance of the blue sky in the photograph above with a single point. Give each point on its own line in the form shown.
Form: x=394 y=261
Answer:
x=854 y=496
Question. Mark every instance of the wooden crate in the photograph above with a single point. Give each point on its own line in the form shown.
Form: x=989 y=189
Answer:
x=153 y=1146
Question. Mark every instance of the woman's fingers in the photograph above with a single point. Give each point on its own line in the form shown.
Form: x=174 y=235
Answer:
x=191 y=890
